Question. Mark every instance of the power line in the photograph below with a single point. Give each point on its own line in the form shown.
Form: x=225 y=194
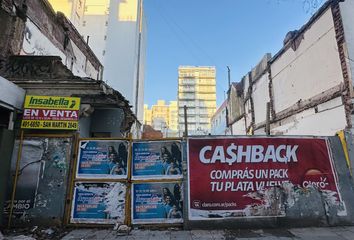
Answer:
x=170 y=22
x=196 y=44
x=178 y=37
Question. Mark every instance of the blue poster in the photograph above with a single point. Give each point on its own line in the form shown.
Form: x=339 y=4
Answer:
x=157 y=203
x=103 y=159
x=157 y=159
x=102 y=203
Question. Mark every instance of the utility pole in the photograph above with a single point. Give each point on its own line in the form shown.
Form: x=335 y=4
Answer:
x=229 y=91
x=267 y=127
x=228 y=75
x=185 y=121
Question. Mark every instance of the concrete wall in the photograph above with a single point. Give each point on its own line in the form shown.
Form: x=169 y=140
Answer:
x=260 y=95
x=36 y=29
x=239 y=127
x=234 y=105
x=303 y=82
x=313 y=68
x=36 y=43
x=324 y=120
x=347 y=9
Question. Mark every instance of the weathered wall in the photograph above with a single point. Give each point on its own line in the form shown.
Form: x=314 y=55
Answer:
x=36 y=43
x=305 y=82
x=303 y=207
x=35 y=29
x=239 y=127
x=260 y=95
x=235 y=103
x=324 y=120
x=10 y=37
x=313 y=68
x=347 y=9
x=7 y=138
x=42 y=181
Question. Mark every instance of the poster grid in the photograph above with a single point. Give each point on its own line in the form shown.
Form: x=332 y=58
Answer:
x=99 y=179
x=159 y=167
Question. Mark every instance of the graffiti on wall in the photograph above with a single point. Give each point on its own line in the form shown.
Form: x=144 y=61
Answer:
x=42 y=179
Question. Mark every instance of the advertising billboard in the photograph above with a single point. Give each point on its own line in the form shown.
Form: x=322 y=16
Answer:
x=98 y=203
x=103 y=159
x=241 y=177
x=157 y=203
x=157 y=159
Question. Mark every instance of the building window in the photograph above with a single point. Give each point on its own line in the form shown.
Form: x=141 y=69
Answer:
x=105 y=37
x=104 y=52
x=83 y=23
x=106 y=23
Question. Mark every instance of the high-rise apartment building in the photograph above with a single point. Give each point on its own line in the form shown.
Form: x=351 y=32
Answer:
x=163 y=117
x=116 y=32
x=93 y=27
x=197 y=91
x=147 y=115
x=124 y=61
x=173 y=116
x=160 y=115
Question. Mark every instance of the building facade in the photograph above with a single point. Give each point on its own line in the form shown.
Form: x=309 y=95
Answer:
x=307 y=85
x=39 y=31
x=124 y=60
x=147 y=115
x=173 y=117
x=94 y=26
x=162 y=117
x=116 y=32
x=196 y=91
x=72 y=9
x=218 y=121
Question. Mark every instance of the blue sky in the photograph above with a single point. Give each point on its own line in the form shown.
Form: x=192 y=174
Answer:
x=235 y=33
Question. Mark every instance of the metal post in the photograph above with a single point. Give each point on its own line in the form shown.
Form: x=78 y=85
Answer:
x=139 y=58
x=185 y=121
x=229 y=76
x=19 y=153
x=267 y=127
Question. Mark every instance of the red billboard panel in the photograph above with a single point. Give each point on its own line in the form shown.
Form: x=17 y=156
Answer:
x=244 y=177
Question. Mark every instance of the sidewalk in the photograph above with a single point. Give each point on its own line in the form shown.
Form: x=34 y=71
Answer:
x=327 y=233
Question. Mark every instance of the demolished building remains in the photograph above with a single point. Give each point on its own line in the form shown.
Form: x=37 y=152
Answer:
x=307 y=87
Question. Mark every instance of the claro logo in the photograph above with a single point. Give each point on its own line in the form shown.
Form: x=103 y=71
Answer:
x=248 y=154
